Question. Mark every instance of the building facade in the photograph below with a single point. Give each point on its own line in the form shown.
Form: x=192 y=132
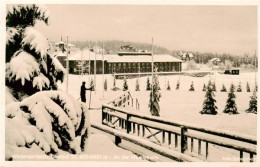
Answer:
x=123 y=62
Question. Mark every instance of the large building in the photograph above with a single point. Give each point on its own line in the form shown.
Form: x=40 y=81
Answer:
x=123 y=62
x=135 y=62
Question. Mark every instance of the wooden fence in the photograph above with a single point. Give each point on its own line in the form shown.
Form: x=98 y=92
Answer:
x=176 y=135
x=174 y=155
x=125 y=100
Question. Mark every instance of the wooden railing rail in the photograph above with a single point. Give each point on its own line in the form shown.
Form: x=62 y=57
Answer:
x=175 y=155
x=149 y=127
x=125 y=100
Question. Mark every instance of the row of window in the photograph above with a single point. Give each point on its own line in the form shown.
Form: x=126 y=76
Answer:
x=141 y=64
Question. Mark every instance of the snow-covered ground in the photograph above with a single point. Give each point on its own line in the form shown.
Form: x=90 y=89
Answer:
x=176 y=105
x=100 y=148
x=180 y=105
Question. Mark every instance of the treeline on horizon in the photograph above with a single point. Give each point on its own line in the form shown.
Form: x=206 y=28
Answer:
x=113 y=47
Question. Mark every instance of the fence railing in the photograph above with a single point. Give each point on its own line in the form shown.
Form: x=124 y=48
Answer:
x=125 y=100
x=166 y=152
x=177 y=135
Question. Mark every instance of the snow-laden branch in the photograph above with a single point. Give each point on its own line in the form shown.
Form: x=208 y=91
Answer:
x=23 y=66
x=10 y=33
x=41 y=81
x=50 y=119
x=35 y=40
x=41 y=9
x=56 y=63
x=21 y=133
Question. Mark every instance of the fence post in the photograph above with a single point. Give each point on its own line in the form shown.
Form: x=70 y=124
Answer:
x=169 y=138
x=207 y=150
x=183 y=139
x=117 y=140
x=176 y=140
x=199 y=146
x=191 y=145
x=251 y=157
x=163 y=136
x=128 y=124
x=241 y=156
x=103 y=115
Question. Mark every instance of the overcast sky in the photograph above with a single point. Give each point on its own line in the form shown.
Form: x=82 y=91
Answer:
x=221 y=29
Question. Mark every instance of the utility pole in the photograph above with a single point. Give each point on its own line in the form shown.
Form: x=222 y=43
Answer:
x=152 y=71
x=103 y=68
x=165 y=82
x=255 y=70
x=95 y=68
x=67 y=65
x=81 y=69
x=89 y=63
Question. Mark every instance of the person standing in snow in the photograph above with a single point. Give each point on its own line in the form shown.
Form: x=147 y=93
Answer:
x=83 y=92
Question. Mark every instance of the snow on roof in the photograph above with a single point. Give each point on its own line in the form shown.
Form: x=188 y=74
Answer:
x=215 y=59
x=57 y=43
x=85 y=55
x=141 y=58
x=89 y=55
x=60 y=54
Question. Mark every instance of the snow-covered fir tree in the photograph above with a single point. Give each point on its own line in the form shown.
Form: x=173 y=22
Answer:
x=209 y=106
x=159 y=88
x=247 y=87
x=105 y=85
x=214 y=87
x=50 y=119
x=231 y=107
x=148 y=84
x=125 y=85
x=204 y=87
x=223 y=88
x=253 y=104
x=29 y=67
x=168 y=86
x=239 y=89
x=178 y=85
x=191 y=87
x=137 y=86
x=155 y=96
x=115 y=88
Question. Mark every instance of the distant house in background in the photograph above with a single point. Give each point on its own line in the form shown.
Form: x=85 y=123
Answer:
x=186 y=56
x=60 y=51
x=98 y=50
x=215 y=61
